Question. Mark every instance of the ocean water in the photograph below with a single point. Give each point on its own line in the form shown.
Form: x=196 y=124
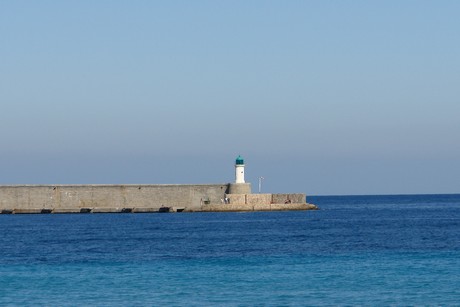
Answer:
x=356 y=250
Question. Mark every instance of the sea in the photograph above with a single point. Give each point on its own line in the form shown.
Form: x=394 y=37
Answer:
x=391 y=250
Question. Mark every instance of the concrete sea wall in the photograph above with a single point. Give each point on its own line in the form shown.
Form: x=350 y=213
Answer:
x=139 y=198
x=108 y=198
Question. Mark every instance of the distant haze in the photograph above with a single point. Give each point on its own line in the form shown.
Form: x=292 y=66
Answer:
x=319 y=97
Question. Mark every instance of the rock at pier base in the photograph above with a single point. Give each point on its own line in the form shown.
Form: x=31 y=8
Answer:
x=146 y=210
x=28 y=211
x=106 y=210
x=66 y=210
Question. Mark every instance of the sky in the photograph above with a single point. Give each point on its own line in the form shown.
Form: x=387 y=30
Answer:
x=319 y=97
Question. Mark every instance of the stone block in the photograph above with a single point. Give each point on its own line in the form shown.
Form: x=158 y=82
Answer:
x=237 y=199
x=253 y=199
x=288 y=198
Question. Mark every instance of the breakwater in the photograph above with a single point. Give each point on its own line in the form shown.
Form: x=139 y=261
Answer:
x=17 y=199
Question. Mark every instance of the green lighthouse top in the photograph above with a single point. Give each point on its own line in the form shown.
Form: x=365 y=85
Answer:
x=239 y=160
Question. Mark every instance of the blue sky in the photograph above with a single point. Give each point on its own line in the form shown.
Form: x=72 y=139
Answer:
x=321 y=97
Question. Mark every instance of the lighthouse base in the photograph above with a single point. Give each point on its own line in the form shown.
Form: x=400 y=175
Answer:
x=239 y=188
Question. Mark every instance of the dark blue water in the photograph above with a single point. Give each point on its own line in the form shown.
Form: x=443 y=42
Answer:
x=356 y=250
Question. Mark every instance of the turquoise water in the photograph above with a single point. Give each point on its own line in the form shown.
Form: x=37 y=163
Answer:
x=356 y=250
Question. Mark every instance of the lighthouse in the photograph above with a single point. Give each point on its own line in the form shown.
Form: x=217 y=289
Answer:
x=239 y=170
x=240 y=186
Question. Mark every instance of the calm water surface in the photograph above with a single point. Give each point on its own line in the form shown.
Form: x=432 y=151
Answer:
x=356 y=250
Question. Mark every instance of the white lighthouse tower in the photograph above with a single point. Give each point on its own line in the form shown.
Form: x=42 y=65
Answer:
x=240 y=186
x=239 y=170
